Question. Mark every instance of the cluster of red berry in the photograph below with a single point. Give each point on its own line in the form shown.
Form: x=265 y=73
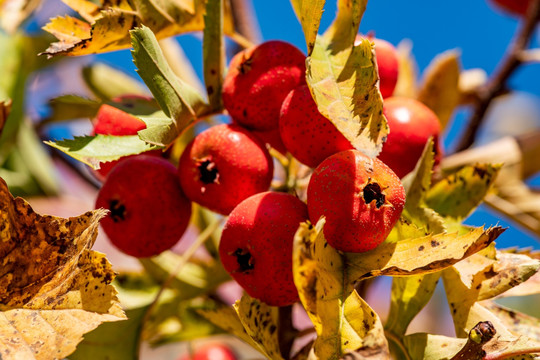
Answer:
x=228 y=169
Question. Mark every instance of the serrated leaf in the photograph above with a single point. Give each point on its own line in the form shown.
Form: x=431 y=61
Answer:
x=195 y=279
x=440 y=88
x=465 y=286
x=416 y=186
x=261 y=323
x=342 y=320
x=106 y=27
x=92 y=150
x=343 y=82
x=214 y=52
x=460 y=193
x=409 y=295
x=422 y=346
x=178 y=100
x=107 y=82
x=50 y=299
x=309 y=13
x=14 y=12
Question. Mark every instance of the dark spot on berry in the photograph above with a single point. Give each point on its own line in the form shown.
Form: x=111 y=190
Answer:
x=372 y=192
x=208 y=170
x=118 y=210
x=244 y=260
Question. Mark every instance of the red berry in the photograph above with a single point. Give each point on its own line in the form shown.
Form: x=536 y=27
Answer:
x=388 y=64
x=212 y=352
x=517 y=7
x=113 y=121
x=272 y=138
x=223 y=166
x=309 y=136
x=360 y=197
x=411 y=124
x=256 y=246
x=258 y=80
x=148 y=209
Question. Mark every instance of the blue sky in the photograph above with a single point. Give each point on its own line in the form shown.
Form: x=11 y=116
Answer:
x=481 y=32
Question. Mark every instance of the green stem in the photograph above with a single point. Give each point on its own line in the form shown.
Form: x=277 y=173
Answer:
x=397 y=342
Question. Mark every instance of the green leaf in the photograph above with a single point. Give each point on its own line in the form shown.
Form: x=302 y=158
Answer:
x=309 y=13
x=460 y=193
x=213 y=52
x=118 y=340
x=409 y=296
x=92 y=150
x=178 y=100
x=107 y=82
x=422 y=346
x=480 y=278
x=68 y=107
x=261 y=323
x=343 y=82
x=195 y=279
x=343 y=30
x=342 y=320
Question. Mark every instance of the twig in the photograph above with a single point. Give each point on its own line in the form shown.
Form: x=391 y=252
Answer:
x=480 y=334
x=203 y=236
x=498 y=82
x=245 y=23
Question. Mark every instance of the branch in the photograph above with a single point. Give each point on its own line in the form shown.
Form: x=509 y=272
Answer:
x=245 y=22
x=287 y=333
x=498 y=82
x=480 y=334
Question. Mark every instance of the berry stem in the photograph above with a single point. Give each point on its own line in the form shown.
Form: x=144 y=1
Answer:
x=497 y=84
x=184 y=258
x=287 y=332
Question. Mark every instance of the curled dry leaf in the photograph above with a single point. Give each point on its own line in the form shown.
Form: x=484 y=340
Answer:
x=440 y=88
x=53 y=288
x=107 y=24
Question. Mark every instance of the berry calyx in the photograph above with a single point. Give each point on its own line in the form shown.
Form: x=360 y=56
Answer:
x=306 y=133
x=258 y=80
x=149 y=212
x=224 y=165
x=361 y=199
x=411 y=125
x=256 y=245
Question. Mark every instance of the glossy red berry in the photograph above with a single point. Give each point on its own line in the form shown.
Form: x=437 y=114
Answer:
x=223 y=166
x=256 y=246
x=272 y=138
x=148 y=209
x=212 y=352
x=388 y=64
x=309 y=136
x=114 y=121
x=360 y=197
x=411 y=124
x=258 y=80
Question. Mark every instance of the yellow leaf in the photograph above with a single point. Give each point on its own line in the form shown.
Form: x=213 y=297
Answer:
x=261 y=323
x=440 y=88
x=309 y=13
x=107 y=27
x=343 y=83
x=53 y=288
x=407 y=72
x=344 y=322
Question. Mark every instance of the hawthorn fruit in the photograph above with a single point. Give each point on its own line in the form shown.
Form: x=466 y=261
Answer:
x=149 y=212
x=214 y=351
x=224 y=165
x=306 y=133
x=361 y=198
x=517 y=7
x=258 y=80
x=411 y=125
x=256 y=245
